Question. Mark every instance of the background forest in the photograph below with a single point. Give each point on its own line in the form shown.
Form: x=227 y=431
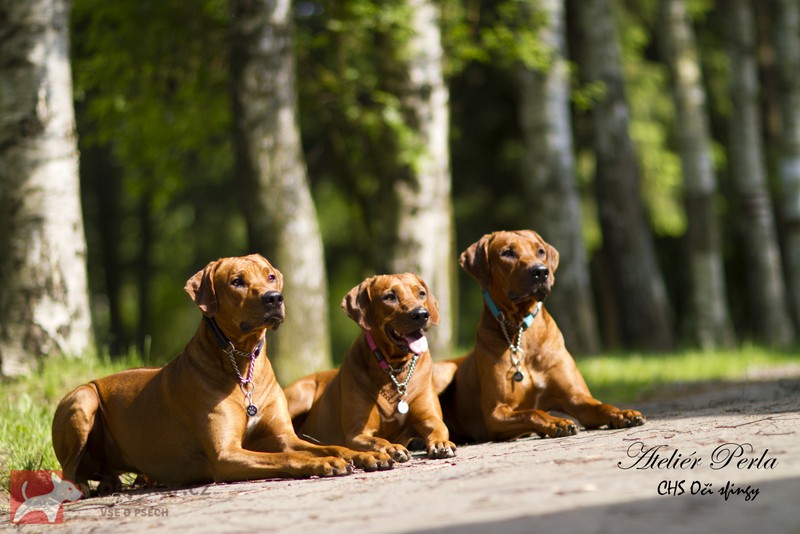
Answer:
x=654 y=143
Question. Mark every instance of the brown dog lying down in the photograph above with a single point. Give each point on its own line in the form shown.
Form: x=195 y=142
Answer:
x=383 y=396
x=214 y=413
x=519 y=368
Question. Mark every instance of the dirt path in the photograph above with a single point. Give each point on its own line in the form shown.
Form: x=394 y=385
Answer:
x=575 y=484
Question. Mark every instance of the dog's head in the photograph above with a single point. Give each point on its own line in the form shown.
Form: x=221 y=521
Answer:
x=242 y=294
x=517 y=268
x=396 y=309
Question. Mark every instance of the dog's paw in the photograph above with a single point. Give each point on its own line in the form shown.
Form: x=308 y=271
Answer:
x=626 y=419
x=331 y=467
x=560 y=428
x=373 y=461
x=397 y=452
x=442 y=449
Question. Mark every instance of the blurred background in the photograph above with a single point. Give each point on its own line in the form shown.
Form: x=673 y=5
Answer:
x=655 y=144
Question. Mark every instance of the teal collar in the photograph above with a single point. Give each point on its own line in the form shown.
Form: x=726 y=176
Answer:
x=527 y=321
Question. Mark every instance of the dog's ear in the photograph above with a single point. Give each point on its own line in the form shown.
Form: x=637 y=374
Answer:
x=201 y=288
x=432 y=304
x=552 y=257
x=475 y=261
x=357 y=304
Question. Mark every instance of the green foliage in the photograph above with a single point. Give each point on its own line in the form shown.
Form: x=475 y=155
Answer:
x=153 y=108
x=504 y=32
x=647 y=89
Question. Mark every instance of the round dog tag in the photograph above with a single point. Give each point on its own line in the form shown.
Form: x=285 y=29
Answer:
x=402 y=406
x=252 y=410
x=518 y=376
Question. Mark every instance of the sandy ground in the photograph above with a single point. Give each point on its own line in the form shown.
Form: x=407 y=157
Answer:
x=740 y=472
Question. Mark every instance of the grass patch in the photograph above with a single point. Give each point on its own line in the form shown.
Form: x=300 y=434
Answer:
x=27 y=405
x=630 y=377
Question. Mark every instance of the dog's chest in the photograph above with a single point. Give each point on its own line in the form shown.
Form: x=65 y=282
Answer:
x=388 y=405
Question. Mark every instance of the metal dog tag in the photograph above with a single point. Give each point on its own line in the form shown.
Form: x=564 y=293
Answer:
x=402 y=406
x=518 y=376
x=252 y=410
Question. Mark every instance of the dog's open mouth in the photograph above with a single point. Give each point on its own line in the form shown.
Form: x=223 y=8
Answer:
x=414 y=341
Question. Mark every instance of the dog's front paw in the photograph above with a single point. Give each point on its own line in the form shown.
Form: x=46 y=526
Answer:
x=626 y=419
x=559 y=428
x=441 y=449
x=397 y=452
x=330 y=467
x=373 y=461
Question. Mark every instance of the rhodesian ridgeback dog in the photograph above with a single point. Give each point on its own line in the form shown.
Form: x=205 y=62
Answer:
x=519 y=368
x=214 y=413
x=382 y=397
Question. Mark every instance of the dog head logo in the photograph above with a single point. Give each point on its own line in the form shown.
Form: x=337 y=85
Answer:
x=39 y=496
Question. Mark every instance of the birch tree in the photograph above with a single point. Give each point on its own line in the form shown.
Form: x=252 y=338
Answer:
x=424 y=235
x=767 y=303
x=707 y=322
x=628 y=250
x=44 y=300
x=787 y=46
x=280 y=212
x=552 y=189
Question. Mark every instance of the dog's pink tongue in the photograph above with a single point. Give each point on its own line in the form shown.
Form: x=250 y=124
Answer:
x=417 y=342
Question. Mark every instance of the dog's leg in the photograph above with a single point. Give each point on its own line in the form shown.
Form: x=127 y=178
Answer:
x=504 y=423
x=365 y=442
x=594 y=414
x=368 y=460
x=568 y=392
x=437 y=438
x=72 y=424
x=234 y=464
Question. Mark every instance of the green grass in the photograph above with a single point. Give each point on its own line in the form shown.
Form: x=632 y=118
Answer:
x=631 y=377
x=27 y=404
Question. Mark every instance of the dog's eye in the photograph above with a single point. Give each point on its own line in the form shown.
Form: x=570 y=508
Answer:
x=422 y=294
x=238 y=282
x=509 y=253
x=541 y=252
x=390 y=297
x=271 y=277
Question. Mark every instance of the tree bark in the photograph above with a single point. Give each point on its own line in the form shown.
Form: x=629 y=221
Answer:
x=424 y=235
x=766 y=288
x=628 y=249
x=281 y=217
x=707 y=322
x=787 y=46
x=44 y=302
x=548 y=167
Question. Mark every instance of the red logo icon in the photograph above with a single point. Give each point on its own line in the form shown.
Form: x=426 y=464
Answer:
x=39 y=496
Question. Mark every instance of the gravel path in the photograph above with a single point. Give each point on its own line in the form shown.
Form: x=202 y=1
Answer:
x=598 y=481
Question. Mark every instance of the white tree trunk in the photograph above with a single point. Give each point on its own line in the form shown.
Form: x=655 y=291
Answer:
x=787 y=45
x=425 y=236
x=552 y=189
x=767 y=291
x=44 y=302
x=281 y=216
x=707 y=322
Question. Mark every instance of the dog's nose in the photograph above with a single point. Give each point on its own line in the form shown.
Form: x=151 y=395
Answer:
x=272 y=299
x=420 y=315
x=540 y=273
